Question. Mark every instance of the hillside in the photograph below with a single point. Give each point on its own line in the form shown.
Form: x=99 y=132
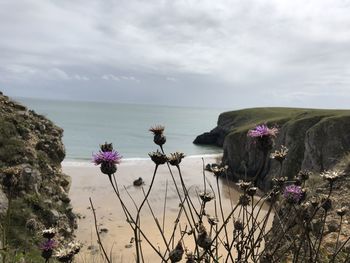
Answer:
x=34 y=191
x=316 y=140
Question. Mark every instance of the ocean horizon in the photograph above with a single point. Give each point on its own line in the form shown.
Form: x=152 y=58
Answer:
x=86 y=125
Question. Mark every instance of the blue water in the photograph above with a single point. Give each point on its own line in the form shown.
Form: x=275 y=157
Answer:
x=88 y=124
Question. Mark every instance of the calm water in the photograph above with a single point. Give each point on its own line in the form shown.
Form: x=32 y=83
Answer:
x=88 y=124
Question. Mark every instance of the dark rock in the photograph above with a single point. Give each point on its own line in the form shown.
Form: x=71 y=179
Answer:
x=206 y=138
x=333 y=226
x=103 y=230
x=138 y=182
x=316 y=139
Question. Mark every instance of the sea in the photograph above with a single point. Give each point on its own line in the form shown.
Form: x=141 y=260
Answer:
x=88 y=124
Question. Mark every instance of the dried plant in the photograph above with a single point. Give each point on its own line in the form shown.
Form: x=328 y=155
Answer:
x=244 y=234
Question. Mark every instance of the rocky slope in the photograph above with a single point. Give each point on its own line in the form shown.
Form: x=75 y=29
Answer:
x=34 y=192
x=317 y=140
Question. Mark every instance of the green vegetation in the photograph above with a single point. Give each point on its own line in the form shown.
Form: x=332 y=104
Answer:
x=242 y=120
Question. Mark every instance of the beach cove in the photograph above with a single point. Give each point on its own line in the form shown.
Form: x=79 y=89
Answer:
x=116 y=234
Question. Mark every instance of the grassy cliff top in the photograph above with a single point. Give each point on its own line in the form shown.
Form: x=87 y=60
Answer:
x=240 y=120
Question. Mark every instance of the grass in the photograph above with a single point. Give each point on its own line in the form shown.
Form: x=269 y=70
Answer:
x=242 y=120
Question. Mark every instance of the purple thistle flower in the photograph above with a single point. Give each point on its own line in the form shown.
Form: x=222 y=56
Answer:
x=293 y=193
x=261 y=131
x=109 y=158
x=49 y=244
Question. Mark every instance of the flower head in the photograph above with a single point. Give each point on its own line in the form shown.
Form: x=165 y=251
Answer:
x=262 y=131
x=244 y=185
x=238 y=225
x=175 y=158
x=106 y=157
x=176 y=254
x=206 y=196
x=75 y=246
x=280 y=155
x=293 y=193
x=158 y=158
x=332 y=176
x=157 y=129
x=218 y=171
x=49 y=233
x=64 y=255
x=49 y=244
x=304 y=175
x=159 y=137
x=342 y=211
x=244 y=200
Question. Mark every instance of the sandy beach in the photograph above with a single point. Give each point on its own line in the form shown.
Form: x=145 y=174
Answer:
x=88 y=181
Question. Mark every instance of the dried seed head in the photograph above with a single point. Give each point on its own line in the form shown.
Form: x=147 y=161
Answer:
x=342 y=211
x=176 y=254
x=304 y=175
x=314 y=201
x=280 y=155
x=218 y=171
x=279 y=182
x=244 y=185
x=206 y=196
x=175 y=158
x=332 y=176
x=49 y=233
x=244 y=200
x=204 y=241
x=238 y=225
x=158 y=158
x=251 y=191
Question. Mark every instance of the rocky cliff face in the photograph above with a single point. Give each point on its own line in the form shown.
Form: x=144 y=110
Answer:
x=31 y=152
x=316 y=139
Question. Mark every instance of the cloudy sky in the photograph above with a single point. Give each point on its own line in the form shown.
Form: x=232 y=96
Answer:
x=197 y=53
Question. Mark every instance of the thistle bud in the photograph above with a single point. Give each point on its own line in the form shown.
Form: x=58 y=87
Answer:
x=106 y=147
x=157 y=131
x=176 y=254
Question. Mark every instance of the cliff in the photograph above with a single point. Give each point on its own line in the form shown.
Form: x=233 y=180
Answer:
x=316 y=139
x=34 y=192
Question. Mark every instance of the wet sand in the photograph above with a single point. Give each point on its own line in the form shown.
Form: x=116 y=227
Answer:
x=88 y=181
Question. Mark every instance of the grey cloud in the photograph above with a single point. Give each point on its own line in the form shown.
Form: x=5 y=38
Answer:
x=240 y=53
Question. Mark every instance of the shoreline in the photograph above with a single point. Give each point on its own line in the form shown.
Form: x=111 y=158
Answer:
x=88 y=181
x=131 y=160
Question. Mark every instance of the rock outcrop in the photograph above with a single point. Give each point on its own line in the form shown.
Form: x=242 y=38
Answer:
x=31 y=152
x=317 y=140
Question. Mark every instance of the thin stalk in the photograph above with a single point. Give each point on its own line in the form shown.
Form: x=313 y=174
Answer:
x=138 y=214
x=165 y=199
x=321 y=236
x=222 y=216
x=97 y=233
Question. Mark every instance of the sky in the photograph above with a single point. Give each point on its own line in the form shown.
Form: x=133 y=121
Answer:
x=222 y=53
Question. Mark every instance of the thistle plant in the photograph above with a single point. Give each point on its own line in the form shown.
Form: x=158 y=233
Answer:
x=204 y=232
